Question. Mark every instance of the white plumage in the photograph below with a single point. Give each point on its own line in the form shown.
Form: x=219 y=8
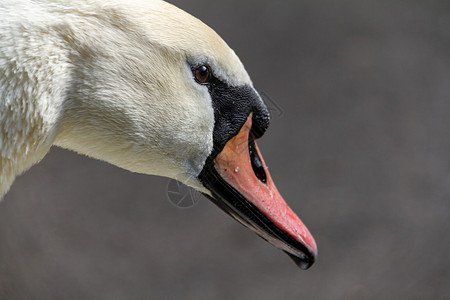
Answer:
x=110 y=80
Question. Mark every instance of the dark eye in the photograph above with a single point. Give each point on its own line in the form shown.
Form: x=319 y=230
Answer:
x=202 y=74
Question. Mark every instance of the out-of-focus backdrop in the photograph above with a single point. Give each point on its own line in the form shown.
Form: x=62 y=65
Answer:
x=359 y=145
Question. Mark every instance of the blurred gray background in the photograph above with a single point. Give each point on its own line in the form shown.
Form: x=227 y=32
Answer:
x=359 y=146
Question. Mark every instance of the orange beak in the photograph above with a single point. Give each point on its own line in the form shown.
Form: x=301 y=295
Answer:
x=242 y=186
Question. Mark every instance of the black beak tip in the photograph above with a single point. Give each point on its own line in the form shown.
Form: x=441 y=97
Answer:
x=303 y=262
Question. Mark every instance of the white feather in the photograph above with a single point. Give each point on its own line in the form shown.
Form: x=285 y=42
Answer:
x=110 y=80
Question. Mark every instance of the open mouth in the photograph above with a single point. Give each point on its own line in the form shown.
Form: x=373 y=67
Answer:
x=242 y=186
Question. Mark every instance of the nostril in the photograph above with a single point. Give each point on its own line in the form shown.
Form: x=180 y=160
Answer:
x=255 y=160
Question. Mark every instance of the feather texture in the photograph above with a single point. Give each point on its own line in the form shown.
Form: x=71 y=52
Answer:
x=111 y=80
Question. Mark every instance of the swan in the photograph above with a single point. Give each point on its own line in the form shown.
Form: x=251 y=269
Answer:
x=147 y=87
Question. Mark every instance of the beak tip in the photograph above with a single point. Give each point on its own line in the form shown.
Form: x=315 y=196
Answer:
x=304 y=262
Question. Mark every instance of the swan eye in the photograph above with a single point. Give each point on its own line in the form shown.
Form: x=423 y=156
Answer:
x=202 y=74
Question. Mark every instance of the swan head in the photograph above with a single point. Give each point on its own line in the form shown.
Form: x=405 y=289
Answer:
x=161 y=93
